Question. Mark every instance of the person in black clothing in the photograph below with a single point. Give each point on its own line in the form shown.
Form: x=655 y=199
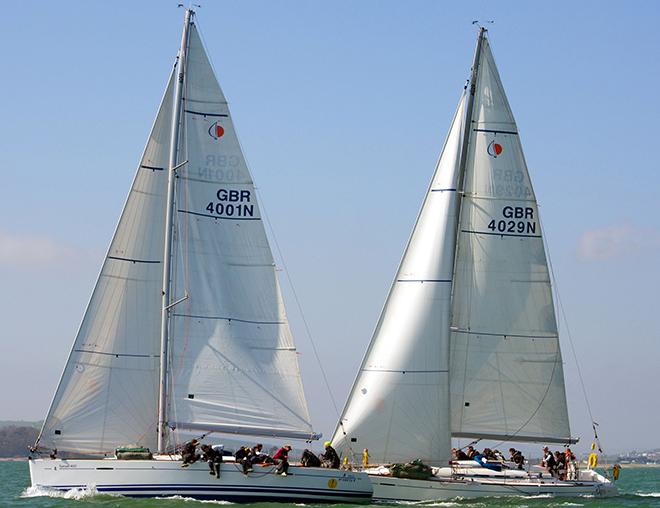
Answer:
x=242 y=456
x=548 y=461
x=329 y=458
x=560 y=465
x=309 y=459
x=458 y=454
x=189 y=453
x=517 y=457
x=213 y=455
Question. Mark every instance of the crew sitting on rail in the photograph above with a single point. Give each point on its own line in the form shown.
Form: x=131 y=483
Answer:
x=242 y=457
x=213 y=455
x=329 y=458
x=471 y=452
x=458 y=454
x=256 y=457
x=281 y=458
x=517 y=457
x=309 y=459
x=189 y=453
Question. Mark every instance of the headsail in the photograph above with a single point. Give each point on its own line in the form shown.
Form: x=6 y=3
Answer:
x=399 y=405
x=233 y=365
x=107 y=396
x=507 y=378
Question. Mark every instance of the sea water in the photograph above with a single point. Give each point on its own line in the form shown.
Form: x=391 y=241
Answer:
x=638 y=487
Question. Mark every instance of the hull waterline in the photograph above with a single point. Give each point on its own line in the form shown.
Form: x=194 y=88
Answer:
x=468 y=483
x=163 y=478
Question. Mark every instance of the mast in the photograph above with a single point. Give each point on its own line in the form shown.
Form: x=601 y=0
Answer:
x=165 y=311
x=468 y=112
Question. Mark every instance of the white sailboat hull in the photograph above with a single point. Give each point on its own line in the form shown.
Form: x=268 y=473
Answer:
x=163 y=478
x=484 y=483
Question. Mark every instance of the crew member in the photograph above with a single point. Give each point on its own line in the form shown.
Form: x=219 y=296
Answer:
x=517 y=457
x=189 y=453
x=281 y=458
x=330 y=458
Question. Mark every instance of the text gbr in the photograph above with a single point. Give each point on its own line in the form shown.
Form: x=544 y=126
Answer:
x=232 y=203
x=517 y=219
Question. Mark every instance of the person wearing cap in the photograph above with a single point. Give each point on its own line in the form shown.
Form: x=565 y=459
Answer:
x=330 y=458
x=189 y=453
x=281 y=458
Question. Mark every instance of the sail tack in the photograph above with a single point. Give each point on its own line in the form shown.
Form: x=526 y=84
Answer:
x=107 y=396
x=398 y=407
x=507 y=377
x=234 y=365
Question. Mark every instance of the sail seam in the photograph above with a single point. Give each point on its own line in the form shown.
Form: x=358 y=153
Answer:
x=497 y=234
x=423 y=280
x=205 y=114
x=105 y=353
x=512 y=335
x=406 y=371
x=118 y=258
x=495 y=131
x=231 y=319
x=218 y=217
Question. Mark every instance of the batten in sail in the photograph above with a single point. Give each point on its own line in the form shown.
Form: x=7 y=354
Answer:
x=506 y=369
x=107 y=396
x=233 y=365
x=398 y=407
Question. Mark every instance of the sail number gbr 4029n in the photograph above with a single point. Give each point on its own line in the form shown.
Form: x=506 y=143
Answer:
x=515 y=220
x=231 y=203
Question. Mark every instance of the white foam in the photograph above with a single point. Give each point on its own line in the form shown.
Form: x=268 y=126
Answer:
x=193 y=500
x=77 y=493
x=648 y=494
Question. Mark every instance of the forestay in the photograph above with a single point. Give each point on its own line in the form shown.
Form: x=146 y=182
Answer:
x=506 y=368
x=107 y=396
x=233 y=365
x=399 y=405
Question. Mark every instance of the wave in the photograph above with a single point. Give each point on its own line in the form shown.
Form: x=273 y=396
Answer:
x=648 y=494
x=193 y=500
x=76 y=493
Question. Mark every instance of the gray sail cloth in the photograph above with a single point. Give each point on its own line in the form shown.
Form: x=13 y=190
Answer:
x=108 y=394
x=467 y=342
x=507 y=379
x=232 y=362
x=398 y=407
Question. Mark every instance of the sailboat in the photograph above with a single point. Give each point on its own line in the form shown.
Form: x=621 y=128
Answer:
x=186 y=330
x=467 y=343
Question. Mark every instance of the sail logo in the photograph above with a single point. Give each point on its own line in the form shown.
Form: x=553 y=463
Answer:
x=216 y=131
x=494 y=149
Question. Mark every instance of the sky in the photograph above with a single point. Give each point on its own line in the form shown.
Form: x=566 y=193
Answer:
x=342 y=108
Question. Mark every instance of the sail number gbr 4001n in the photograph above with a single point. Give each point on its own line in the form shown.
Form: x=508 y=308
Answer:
x=516 y=220
x=232 y=203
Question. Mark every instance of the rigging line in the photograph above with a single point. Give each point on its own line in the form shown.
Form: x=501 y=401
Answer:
x=570 y=340
x=302 y=315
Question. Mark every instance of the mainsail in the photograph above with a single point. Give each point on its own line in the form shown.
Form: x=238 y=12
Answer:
x=467 y=343
x=232 y=365
x=398 y=407
x=507 y=379
x=108 y=393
